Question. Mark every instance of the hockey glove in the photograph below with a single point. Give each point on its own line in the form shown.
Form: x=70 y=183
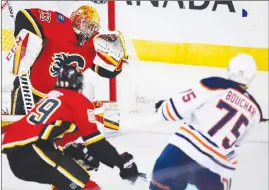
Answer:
x=110 y=50
x=80 y=153
x=158 y=105
x=128 y=170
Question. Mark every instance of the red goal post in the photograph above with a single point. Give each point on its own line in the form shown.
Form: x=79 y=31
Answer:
x=112 y=26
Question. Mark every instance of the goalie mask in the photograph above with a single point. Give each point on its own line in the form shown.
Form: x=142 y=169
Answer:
x=86 y=22
x=70 y=77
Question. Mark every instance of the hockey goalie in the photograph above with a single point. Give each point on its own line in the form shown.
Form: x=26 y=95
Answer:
x=48 y=40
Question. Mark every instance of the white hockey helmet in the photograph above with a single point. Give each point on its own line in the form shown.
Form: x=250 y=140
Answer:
x=242 y=69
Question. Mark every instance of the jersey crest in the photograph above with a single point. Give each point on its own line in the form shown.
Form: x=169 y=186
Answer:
x=60 y=59
x=45 y=16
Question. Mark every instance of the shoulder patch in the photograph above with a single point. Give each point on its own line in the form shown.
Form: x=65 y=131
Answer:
x=91 y=116
x=45 y=16
x=60 y=17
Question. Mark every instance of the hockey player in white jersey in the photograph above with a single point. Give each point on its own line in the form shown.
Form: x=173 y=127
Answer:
x=217 y=114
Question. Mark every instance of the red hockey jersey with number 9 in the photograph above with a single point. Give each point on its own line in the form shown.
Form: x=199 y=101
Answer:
x=45 y=120
x=60 y=46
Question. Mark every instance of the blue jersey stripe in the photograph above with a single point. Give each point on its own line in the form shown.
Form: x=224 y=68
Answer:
x=174 y=108
x=164 y=116
x=207 y=139
x=206 y=154
x=229 y=155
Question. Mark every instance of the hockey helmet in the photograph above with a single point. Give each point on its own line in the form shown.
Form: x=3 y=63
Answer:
x=242 y=69
x=85 y=21
x=70 y=77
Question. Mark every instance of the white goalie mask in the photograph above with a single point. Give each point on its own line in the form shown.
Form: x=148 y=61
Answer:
x=86 y=22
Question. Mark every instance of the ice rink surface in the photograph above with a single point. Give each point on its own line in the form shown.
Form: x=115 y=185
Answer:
x=146 y=143
x=145 y=138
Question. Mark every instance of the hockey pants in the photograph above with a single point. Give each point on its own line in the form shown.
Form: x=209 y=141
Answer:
x=43 y=164
x=174 y=170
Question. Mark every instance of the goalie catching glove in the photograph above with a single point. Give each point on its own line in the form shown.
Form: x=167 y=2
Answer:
x=110 y=53
x=158 y=105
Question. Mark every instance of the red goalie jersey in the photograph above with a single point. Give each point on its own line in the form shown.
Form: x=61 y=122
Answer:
x=45 y=121
x=60 y=45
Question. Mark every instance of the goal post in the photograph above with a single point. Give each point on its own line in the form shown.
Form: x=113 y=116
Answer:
x=111 y=8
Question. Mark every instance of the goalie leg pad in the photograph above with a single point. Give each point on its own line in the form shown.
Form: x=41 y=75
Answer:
x=110 y=116
x=107 y=114
x=109 y=124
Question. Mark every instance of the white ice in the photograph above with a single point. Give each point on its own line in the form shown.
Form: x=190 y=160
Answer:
x=145 y=140
x=147 y=143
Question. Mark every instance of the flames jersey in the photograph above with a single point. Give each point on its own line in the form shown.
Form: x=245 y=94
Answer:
x=47 y=121
x=217 y=114
x=60 y=46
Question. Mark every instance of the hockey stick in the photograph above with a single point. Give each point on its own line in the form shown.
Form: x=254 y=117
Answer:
x=264 y=120
x=145 y=176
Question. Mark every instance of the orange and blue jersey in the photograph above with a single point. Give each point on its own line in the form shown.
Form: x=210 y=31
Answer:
x=217 y=115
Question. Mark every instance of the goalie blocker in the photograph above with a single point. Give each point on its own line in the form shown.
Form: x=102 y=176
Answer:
x=24 y=57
